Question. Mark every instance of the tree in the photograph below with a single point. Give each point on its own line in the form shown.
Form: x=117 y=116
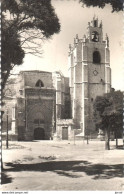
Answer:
x=12 y=53
x=117 y=5
x=117 y=117
x=25 y=24
x=108 y=114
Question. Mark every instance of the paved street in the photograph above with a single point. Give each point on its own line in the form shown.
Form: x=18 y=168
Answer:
x=53 y=165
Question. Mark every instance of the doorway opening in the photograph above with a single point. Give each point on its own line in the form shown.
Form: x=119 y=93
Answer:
x=39 y=134
x=64 y=133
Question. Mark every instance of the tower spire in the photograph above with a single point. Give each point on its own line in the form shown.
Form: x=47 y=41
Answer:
x=95 y=21
x=94 y=16
x=100 y=24
x=107 y=40
x=77 y=38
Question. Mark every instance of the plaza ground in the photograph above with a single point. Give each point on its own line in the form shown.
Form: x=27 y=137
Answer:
x=53 y=165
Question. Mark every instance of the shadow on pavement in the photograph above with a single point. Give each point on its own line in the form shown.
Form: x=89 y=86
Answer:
x=5 y=178
x=72 y=169
x=120 y=147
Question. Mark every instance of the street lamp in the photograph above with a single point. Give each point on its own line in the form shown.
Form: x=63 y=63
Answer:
x=7 y=130
x=74 y=136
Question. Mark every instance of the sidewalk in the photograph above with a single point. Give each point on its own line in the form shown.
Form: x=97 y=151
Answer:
x=53 y=165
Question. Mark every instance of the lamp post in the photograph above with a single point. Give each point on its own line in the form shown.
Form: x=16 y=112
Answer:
x=7 y=130
x=2 y=112
x=26 y=111
x=74 y=136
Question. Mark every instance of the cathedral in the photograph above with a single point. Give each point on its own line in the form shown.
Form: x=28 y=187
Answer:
x=41 y=105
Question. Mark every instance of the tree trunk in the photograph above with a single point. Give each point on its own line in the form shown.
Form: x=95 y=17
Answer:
x=4 y=77
x=87 y=140
x=116 y=142
x=107 y=139
x=116 y=139
x=1 y=149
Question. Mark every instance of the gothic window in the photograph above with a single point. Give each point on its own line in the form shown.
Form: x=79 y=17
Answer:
x=39 y=84
x=96 y=57
x=95 y=36
x=95 y=23
x=8 y=92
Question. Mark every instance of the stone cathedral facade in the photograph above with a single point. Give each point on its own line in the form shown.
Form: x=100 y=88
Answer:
x=43 y=105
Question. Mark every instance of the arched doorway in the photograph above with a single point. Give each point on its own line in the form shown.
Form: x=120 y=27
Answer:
x=39 y=134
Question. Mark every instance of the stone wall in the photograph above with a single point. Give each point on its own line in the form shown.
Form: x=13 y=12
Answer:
x=31 y=78
x=61 y=85
x=64 y=129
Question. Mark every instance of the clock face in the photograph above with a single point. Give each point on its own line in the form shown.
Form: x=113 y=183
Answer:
x=95 y=72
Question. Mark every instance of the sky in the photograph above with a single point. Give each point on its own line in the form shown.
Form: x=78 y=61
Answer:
x=74 y=20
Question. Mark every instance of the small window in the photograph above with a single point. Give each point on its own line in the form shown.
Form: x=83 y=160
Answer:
x=21 y=92
x=91 y=99
x=96 y=57
x=39 y=84
x=102 y=81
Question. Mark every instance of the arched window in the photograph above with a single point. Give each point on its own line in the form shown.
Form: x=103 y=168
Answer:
x=39 y=84
x=96 y=57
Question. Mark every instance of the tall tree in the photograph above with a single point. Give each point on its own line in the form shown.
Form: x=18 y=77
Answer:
x=108 y=114
x=25 y=24
x=117 y=117
x=117 y=5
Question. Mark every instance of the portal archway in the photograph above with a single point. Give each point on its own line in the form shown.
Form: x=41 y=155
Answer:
x=39 y=134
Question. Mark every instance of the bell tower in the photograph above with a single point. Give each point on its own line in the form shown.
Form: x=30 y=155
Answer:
x=90 y=74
